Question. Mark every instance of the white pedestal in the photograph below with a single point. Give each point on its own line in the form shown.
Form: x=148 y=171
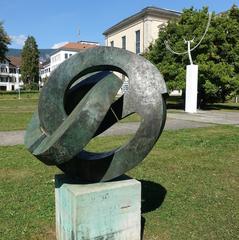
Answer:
x=109 y=210
x=191 y=89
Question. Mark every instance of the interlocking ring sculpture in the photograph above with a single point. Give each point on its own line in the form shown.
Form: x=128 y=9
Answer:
x=75 y=107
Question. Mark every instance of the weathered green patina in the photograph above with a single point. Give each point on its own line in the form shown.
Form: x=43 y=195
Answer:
x=78 y=103
x=97 y=211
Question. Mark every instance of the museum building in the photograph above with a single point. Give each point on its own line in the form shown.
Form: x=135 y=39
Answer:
x=138 y=31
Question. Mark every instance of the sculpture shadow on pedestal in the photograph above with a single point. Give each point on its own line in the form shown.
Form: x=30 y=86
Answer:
x=153 y=195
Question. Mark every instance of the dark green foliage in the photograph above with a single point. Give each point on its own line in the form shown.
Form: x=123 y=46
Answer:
x=31 y=86
x=30 y=63
x=217 y=55
x=4 y=41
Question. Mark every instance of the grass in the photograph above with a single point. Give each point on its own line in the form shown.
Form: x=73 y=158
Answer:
x=23 y=94
x=189 y=181
x=131 y=118
x=228 y=106
x=16 y=113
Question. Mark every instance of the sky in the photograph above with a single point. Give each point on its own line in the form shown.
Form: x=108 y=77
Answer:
x=53 y=22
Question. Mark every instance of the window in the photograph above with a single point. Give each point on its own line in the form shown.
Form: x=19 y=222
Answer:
x=112 y=43
x=123 y=42
x=56 y=58
x=137 y=42
x=12 y=70
x=3 y=88
x=3 y=70
x=66 y=55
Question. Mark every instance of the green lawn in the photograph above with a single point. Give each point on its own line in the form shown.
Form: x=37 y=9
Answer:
x=16 y=113
x=15 y=94
x=189 y=181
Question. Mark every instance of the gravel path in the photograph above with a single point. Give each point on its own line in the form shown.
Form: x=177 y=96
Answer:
x=213 y=116
x=11 y=138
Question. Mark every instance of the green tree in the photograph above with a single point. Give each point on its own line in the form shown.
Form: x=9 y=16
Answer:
x=217 y=55
x=30 y=63
x=4 y=41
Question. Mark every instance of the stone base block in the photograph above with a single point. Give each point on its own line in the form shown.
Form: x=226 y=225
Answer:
x=99 y=211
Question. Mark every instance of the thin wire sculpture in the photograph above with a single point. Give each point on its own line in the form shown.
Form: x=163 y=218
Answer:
x=188 y=42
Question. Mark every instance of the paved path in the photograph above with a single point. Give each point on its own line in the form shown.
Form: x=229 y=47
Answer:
x=174 y=121
x=213 y=116
x=11 y=138
x=130 y=128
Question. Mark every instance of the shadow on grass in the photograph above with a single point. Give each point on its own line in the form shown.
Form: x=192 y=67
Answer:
x=175 y=102
x=221 y=107
x=213 y=106
x=178 y=106
x=153 y=195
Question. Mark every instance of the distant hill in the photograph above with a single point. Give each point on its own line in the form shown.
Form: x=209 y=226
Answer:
x=44 y=53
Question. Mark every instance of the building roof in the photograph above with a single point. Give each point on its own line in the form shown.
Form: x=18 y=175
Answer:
x=152 y=11
x=16 y=61
x=76 y=46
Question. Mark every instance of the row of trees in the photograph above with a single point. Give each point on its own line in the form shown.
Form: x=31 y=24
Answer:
x=217 y=56
x=30 y=58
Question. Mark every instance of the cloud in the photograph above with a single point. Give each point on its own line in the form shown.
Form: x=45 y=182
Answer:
x=18 y=40
x=58 y=45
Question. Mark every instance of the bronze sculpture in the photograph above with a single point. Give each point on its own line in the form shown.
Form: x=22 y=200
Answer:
x=78 y=103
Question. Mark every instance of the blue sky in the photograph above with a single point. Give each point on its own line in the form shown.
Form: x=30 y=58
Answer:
x=56 y=21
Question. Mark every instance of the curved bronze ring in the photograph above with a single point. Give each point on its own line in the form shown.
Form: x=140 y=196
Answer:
x=74 y=108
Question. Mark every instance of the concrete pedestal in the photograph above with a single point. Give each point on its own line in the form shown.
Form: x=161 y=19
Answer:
x=98 y=211
x=191 y=89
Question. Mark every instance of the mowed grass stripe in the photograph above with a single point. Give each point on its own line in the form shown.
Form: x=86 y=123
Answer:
x=198 y=169
x=16 y=113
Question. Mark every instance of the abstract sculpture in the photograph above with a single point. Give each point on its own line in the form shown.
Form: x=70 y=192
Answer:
x=79 y=102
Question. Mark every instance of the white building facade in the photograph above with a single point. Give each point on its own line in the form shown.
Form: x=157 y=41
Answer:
x=9 y=75
x=44 y=70
x=138 y=31
x=68 y=50
x=63 y=53
x=60 y=56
